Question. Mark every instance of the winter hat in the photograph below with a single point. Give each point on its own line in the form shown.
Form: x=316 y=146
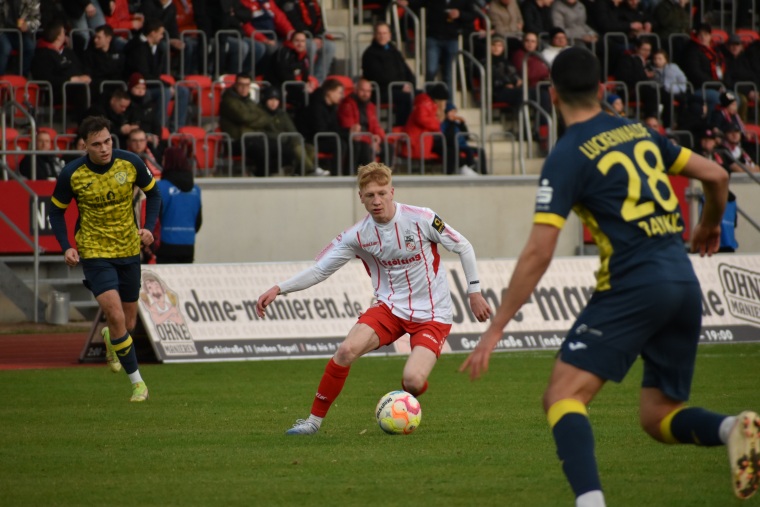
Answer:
x=726 y=99
x=134 y=80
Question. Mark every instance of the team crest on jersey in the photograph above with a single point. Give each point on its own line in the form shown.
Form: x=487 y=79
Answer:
x=121 y=177
x=438 y=224
x=411 y=245
x=544 y=193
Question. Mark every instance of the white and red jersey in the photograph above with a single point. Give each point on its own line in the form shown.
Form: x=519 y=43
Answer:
x=402 y=259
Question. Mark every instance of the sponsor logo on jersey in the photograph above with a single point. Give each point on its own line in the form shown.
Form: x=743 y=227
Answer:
x=409 y=241
x=401 y=262
x=544 y=192
x=438 y=224
x=121 y=177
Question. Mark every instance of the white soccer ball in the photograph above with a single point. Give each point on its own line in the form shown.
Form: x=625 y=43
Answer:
x=398 y=412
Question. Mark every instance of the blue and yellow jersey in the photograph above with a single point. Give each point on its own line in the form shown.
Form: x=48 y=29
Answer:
x=106 y=227
x=614 y=174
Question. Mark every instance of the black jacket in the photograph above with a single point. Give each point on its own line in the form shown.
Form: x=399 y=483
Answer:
x=536 y=19
x=319 y=117
x=438 y=25
x=56 y=68
x=385 y=64
x=168 y=16
x=139 y=58
x=103 y=66
x=286 y=64
x=604 y=17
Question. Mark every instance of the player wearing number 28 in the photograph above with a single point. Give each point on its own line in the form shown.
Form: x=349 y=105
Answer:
x=614 y=174
x=398 y=245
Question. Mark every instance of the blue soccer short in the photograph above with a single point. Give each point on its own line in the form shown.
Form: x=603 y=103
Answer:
x=659 y=322
x=122 y=274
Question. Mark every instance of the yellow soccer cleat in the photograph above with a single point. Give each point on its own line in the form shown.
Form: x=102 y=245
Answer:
x=139 y=392
x=744 y=454
x=111 y=358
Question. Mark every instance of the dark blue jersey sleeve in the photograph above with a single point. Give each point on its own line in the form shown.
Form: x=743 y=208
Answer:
x=560 y=185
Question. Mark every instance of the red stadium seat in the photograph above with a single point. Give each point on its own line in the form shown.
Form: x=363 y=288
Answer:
x=747 y=36
x=718 y=37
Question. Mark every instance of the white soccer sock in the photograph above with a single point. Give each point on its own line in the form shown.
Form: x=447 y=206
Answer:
x=590 y=499
x=725 y=428
x=316 y=420
x=135 y=377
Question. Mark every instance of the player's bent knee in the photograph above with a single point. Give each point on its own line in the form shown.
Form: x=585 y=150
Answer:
x=346 y=355
x=414 y=383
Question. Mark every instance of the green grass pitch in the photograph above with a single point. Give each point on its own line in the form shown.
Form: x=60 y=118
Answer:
x=213 y=434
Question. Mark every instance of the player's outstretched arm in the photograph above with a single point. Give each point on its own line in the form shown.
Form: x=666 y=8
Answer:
x=265 y=299
x=531 y=266
x=706 y=236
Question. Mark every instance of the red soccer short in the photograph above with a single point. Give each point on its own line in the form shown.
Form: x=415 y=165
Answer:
x=431 y=335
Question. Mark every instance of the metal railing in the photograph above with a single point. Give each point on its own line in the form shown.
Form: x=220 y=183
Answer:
x=338 y=155
x=433 y=135
x=203 y=50
x=282 y=136
x=503 y=135
x=391 y=17
x=392 y=155
x=485 y=107
x=358 y=137
x=524 y=127
x=10 y=32
x=607 y=37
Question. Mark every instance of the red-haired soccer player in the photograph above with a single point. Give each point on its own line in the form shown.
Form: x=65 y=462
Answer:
x=398 y=244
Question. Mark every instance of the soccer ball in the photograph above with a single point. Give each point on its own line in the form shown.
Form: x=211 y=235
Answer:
x=398 y=412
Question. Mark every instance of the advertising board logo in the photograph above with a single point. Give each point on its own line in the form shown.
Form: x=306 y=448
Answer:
x=162 y=304
x=741 y=288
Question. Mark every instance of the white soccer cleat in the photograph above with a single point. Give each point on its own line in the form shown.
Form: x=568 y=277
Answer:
x=744 y=454
x=303 y=427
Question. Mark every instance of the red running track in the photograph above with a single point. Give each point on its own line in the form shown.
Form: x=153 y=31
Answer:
x=32 y=351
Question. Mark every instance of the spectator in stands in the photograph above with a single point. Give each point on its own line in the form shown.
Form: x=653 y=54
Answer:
x=506 y=84
x=186 y=49
x=211 y=16
x=24 y=16
x=672 y=81
x=537 y=68
x=186 y=20
x=604 y=16
x=570 y=15
x=85 y=15
x=103 y=62
x=57 y=64
x=137 y=143
x=727 y=115
x=239 y=114
x=306 y=16
x=142 y=111
x=48 y=166
x=538 y=71
x=732 y=144
x=671 y=16
x=653 y=123
x=115 y=109
x=739 y=67
x=427 y=115
x=77 y=144
x=636 y=68
x=181 y=214
x=357 y=113
x=633 y=15
x=256 y=18
x=702 y=64
x=321 y=116
x=506 y=18
x=445 y=20
x=144 y=55
x=291 y=63
x=274 y=121
x=384 y=64
x=558 y=42
x=537 y=16
x=122 y=19
x=616 y=104
x=460 y=157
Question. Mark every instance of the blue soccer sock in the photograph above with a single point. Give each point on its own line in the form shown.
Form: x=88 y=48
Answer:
x=126 y=351
x=571 y=428
x=692 y=425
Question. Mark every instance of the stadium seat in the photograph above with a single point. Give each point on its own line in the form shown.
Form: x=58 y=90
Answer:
x=718 y=37
x=23 y=92
x=747 y=36
x=201 y=94
x=753 y=132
